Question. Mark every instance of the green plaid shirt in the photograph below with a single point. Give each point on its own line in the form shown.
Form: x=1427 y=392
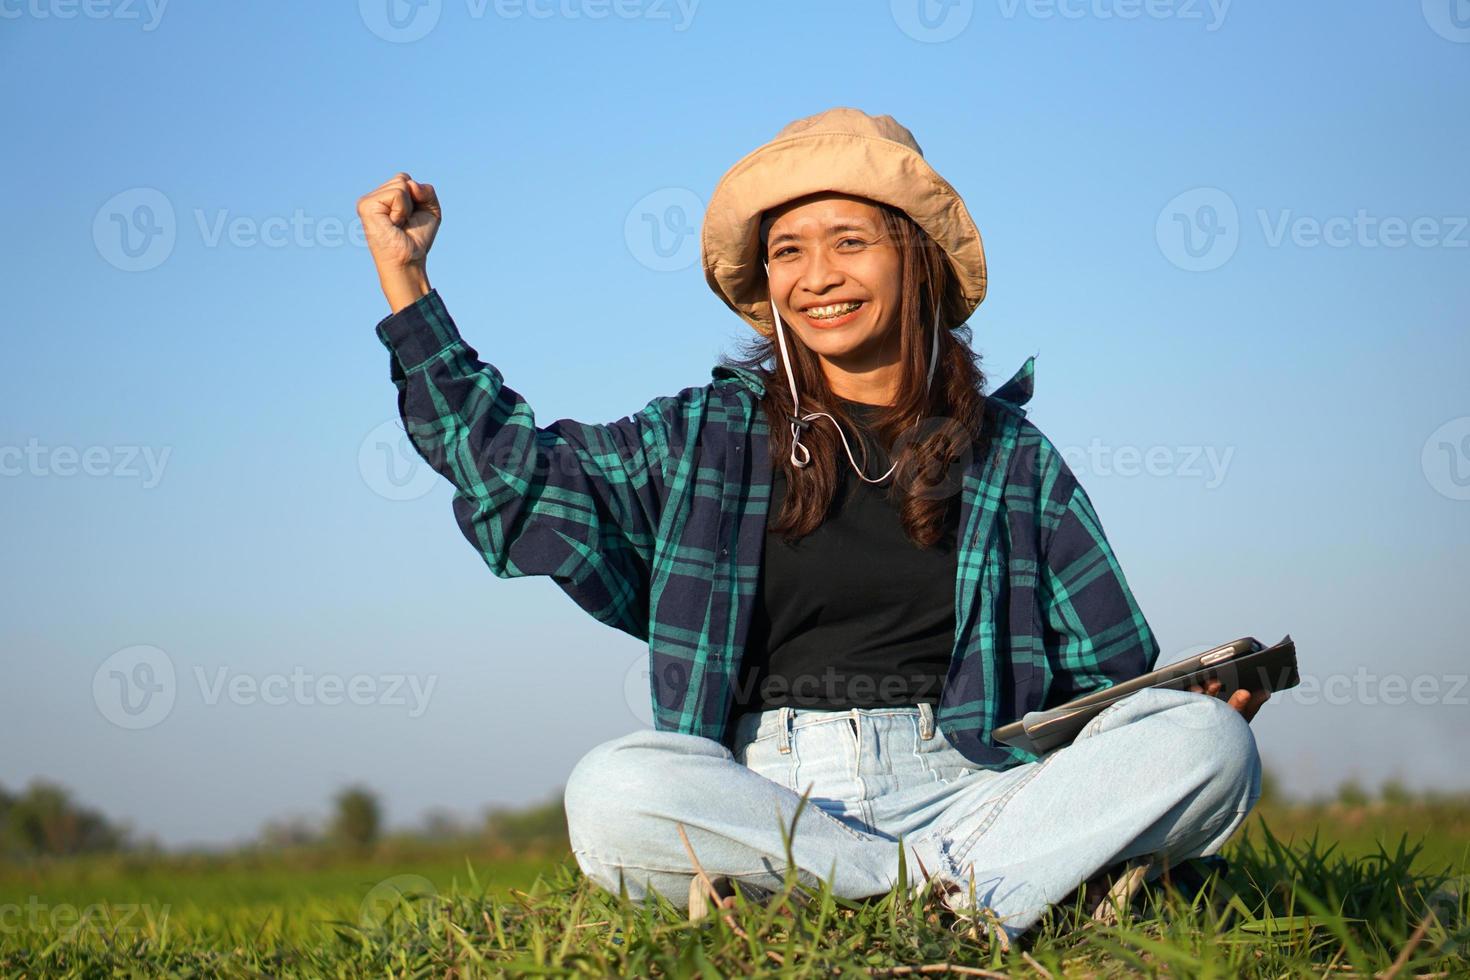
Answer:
x=655 y=525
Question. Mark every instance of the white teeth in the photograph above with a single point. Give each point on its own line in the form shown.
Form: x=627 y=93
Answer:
x=827 y=312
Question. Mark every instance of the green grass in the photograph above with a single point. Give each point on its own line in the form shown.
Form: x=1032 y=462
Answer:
x=275 y=899
x=1442 y=829
x=1371 y=903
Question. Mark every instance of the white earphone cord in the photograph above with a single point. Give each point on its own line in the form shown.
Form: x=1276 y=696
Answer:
x=796 y=426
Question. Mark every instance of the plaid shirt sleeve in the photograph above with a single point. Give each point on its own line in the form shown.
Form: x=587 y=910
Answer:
x=1094 y=634
x=579 y=503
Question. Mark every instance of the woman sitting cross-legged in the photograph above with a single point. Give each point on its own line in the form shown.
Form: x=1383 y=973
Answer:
x=849 y=562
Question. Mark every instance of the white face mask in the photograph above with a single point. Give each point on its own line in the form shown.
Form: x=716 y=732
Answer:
x=800 y=421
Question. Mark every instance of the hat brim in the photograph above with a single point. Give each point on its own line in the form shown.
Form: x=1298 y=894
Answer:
x=865 y=166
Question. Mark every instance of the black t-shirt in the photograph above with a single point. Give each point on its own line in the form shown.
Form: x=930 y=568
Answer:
x=854 y=614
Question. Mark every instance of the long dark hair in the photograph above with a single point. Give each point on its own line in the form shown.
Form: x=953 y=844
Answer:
x=930 y=455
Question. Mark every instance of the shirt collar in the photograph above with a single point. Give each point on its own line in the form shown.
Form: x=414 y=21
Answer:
x=740 y=375
x=1018 y=390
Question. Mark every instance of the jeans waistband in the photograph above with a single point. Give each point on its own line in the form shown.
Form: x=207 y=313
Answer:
x=782 y=721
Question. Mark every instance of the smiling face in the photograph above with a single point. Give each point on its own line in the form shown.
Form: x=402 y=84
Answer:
x=836 y=275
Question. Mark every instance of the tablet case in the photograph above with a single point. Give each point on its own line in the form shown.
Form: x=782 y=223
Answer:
x=1239 y=664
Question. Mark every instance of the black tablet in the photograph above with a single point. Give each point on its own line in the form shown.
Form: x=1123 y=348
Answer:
x=1242 y=664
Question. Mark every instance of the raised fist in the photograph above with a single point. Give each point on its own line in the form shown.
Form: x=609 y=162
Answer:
x=400 y=220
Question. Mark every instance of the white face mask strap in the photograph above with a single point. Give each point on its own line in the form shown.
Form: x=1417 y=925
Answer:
x=800 y=421
x=797 y=422
x=933 y=351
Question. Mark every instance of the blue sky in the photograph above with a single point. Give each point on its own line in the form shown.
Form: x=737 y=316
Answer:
x=1234 y=235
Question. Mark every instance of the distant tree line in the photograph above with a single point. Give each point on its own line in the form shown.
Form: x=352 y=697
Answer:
x=1351 y=792
x=44 y=820
x=356 y=823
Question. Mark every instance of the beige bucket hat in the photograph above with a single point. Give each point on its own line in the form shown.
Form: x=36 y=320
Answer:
x=844 y=150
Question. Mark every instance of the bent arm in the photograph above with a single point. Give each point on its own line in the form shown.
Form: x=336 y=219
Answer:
x=579 y=503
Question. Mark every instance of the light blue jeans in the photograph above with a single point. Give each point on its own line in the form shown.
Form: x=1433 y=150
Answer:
x=1164 y=773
